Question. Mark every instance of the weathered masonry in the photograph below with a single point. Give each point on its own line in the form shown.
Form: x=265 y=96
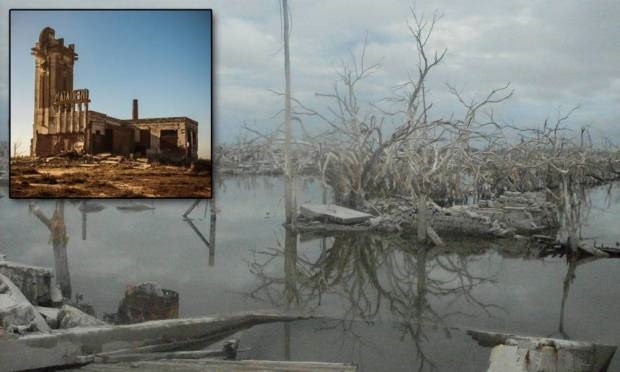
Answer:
x=63 y=121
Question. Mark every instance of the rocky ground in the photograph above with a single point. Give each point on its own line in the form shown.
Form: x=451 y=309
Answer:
x=105 y=176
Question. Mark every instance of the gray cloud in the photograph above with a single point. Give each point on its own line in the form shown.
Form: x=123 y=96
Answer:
x=555 y=54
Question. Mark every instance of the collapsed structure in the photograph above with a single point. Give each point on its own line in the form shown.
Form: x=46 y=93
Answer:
x=63 y=121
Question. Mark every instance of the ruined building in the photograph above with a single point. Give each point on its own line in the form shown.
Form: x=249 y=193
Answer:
x=63 y=121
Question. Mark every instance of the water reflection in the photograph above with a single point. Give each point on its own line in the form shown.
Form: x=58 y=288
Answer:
x=388 y=281
x=573 y=262
x=372 y=274
x=391 y=278
x=87 y=206
x=59 y=240
x=210 y=243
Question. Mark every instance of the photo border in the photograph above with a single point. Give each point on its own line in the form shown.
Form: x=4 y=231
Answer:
x=212 y=175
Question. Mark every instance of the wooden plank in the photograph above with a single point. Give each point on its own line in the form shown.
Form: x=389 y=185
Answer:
x=333 y=213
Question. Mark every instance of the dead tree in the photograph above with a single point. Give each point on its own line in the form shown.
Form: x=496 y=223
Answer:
x=289 y=179
x=59 y=240
x=422 y=156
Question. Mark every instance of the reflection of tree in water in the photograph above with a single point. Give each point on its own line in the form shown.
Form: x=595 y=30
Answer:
x=86 y=207
x=210 y=243
x=59 y=240
x=370 y=273
x=573 y=261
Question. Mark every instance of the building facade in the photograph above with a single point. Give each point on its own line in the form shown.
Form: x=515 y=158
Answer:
x=63 y=121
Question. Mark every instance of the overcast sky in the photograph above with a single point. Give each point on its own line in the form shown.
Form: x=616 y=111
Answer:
x=556 y=54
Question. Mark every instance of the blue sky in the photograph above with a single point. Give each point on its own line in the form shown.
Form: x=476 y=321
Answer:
x=162 y=58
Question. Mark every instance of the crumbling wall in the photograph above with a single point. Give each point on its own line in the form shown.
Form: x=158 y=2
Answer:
x=50 y=144
x=34 y=282
x=163 y=143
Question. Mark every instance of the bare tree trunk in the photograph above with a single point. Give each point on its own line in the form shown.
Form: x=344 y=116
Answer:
x=59 y=240
x=59 y=243
x=191 y=208
x=84 y=226
x=421 y=218
x=567 y=233
x=568 y=279
x=289 y=191
x=290 y=282
x=212 y=225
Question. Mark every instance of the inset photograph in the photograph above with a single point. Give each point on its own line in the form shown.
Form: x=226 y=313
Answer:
x=130 y=118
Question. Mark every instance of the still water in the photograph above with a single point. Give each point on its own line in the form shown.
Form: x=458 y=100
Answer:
x=392 y=305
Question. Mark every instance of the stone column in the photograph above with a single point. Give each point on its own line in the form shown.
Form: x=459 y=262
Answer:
x=57 y=110
x=76 y=118
x=63 y=119
x=70 y=119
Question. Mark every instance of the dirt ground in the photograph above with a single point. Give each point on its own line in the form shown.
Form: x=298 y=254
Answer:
x=109 y=178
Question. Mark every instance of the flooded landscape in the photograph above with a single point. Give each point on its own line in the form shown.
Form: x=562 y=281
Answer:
x=382 y=301
x=398 y=187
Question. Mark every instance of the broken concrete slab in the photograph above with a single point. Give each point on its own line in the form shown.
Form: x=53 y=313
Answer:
x=215 y=365
x=33 y=281
x=524 y=353
x=71 y=317
x=17 y=315
x=333 y=213
x=50 y=314
x=75 y=345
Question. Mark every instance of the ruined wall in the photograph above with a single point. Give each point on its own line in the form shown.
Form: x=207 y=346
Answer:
x=108 y=134
x=50 y=144
x=34 y=282
x=160 y=141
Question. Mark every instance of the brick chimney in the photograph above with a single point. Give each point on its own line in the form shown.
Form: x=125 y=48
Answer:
x=134 y=111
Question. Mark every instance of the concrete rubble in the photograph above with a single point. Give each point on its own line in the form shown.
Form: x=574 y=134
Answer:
x=71 y=317
x=17 y=315
x=514 y=353
x=88 y=160
x=33 y=281
x=511 y=213
x=332 y=213
x=67 y=336
x=214 y=365
x=82 y=345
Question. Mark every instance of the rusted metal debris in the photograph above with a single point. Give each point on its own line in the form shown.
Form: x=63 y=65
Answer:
x=148 y=301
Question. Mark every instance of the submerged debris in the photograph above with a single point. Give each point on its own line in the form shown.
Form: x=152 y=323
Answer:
x=511 y=213
x=84 y=344
x=134 y=207
x=521 y=353
x=71 y=317
x=17 y=315
x=148 y=301
x=332 y=213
